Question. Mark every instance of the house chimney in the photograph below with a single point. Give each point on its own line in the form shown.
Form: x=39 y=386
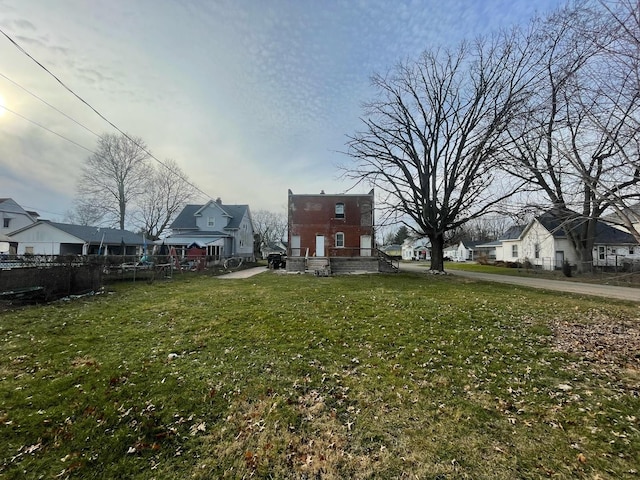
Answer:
x=321 y=192
x=219 y=201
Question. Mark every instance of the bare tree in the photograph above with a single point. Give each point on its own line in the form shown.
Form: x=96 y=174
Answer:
x=168 y=190
x=577 y=134
x=84 y=214
x=270 y=227
x=433 y=137
x=114 y=177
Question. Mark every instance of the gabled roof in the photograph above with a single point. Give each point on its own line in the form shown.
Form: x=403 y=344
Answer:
x=632 y=213
x=186 y=219
x=604 y=234
x=513 y=233
x=471 y=245
x=92 y=235
x=237 y=212
x=11 y=206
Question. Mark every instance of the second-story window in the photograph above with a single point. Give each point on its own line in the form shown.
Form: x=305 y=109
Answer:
x=211 y=221
x=5 y=222
x=339 y=210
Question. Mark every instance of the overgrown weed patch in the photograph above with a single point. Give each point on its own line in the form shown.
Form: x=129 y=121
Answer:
x=277 y=376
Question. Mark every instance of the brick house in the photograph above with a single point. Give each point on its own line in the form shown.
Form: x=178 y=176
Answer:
x=331 y=230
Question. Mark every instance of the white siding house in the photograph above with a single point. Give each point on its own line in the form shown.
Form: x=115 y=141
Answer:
x=51 y=238
x=13 y=217
x=544 y=244
x=416 y=249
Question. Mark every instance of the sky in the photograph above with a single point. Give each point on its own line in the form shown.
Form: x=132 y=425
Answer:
x=250 y=97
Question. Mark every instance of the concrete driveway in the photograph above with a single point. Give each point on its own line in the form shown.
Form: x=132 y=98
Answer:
x=246 y=273
x=606 y=291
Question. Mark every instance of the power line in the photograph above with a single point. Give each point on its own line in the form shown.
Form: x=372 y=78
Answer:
x=19 y=47
x=49 y=130
x=49 y=105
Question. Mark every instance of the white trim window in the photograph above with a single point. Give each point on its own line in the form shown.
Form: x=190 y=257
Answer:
x=211 y=222
x=514 y=251
x=339 y=210
x=340 y=240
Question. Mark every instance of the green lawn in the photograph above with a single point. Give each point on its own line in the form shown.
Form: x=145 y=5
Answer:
x=294 y=376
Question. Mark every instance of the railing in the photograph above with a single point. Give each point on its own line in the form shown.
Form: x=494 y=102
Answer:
x=392 y=262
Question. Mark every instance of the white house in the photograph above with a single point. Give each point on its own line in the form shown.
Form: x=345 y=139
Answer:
x=222 y=230
x=544 y=243
x=451 y=253
x=52 y=238
x=416 y=248
x=13 y=217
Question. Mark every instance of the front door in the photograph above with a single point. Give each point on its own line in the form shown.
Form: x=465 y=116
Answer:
x=559 y=258
x=365 y=245
x=319 y=245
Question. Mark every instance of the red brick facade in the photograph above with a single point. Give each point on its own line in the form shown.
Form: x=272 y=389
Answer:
x=324 y=225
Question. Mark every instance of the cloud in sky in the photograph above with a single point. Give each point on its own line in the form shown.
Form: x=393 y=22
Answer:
x=249 y=97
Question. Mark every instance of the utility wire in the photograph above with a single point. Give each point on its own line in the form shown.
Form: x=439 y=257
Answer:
x=99 y=114
x=49 y=130
x=49 y=105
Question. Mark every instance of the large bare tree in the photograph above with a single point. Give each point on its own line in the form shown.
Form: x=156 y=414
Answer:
x=432 y=137
x=167 y=191
x=114 y=177
x=270 y=227
x=576 y=137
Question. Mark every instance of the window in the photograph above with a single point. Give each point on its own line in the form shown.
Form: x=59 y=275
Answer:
x=366 y=217
x=514 y=251
x=631 y=251
x=5 y=222
x=601 y=253
x=339 y=239
x=28 y=250
x=339 y=210
x=211 y=221
x=536 y=250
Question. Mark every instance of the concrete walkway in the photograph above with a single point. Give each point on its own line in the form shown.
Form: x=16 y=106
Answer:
x=606 y=291
x=246 y=273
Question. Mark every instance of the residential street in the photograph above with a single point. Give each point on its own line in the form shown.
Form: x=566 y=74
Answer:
x=607 y=291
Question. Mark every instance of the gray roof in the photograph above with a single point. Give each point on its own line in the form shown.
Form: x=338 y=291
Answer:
x=513 y=232
x=604 y=235
x=187 y=219
x=93 y=235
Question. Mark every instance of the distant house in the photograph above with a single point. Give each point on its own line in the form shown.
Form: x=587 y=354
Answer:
x=273 y=248
x=52 y=238
x=544 y=243
x=222 y=231
x=469 y=250
x=450 y=253
x=392 y=250
x=13 y=217
x=336 y=229
x=632 y=214
x=416 y=249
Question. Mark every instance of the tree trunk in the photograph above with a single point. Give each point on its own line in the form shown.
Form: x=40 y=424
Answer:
x=437 y=252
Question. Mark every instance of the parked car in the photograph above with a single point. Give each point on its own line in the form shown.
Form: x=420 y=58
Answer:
x=276 y=260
